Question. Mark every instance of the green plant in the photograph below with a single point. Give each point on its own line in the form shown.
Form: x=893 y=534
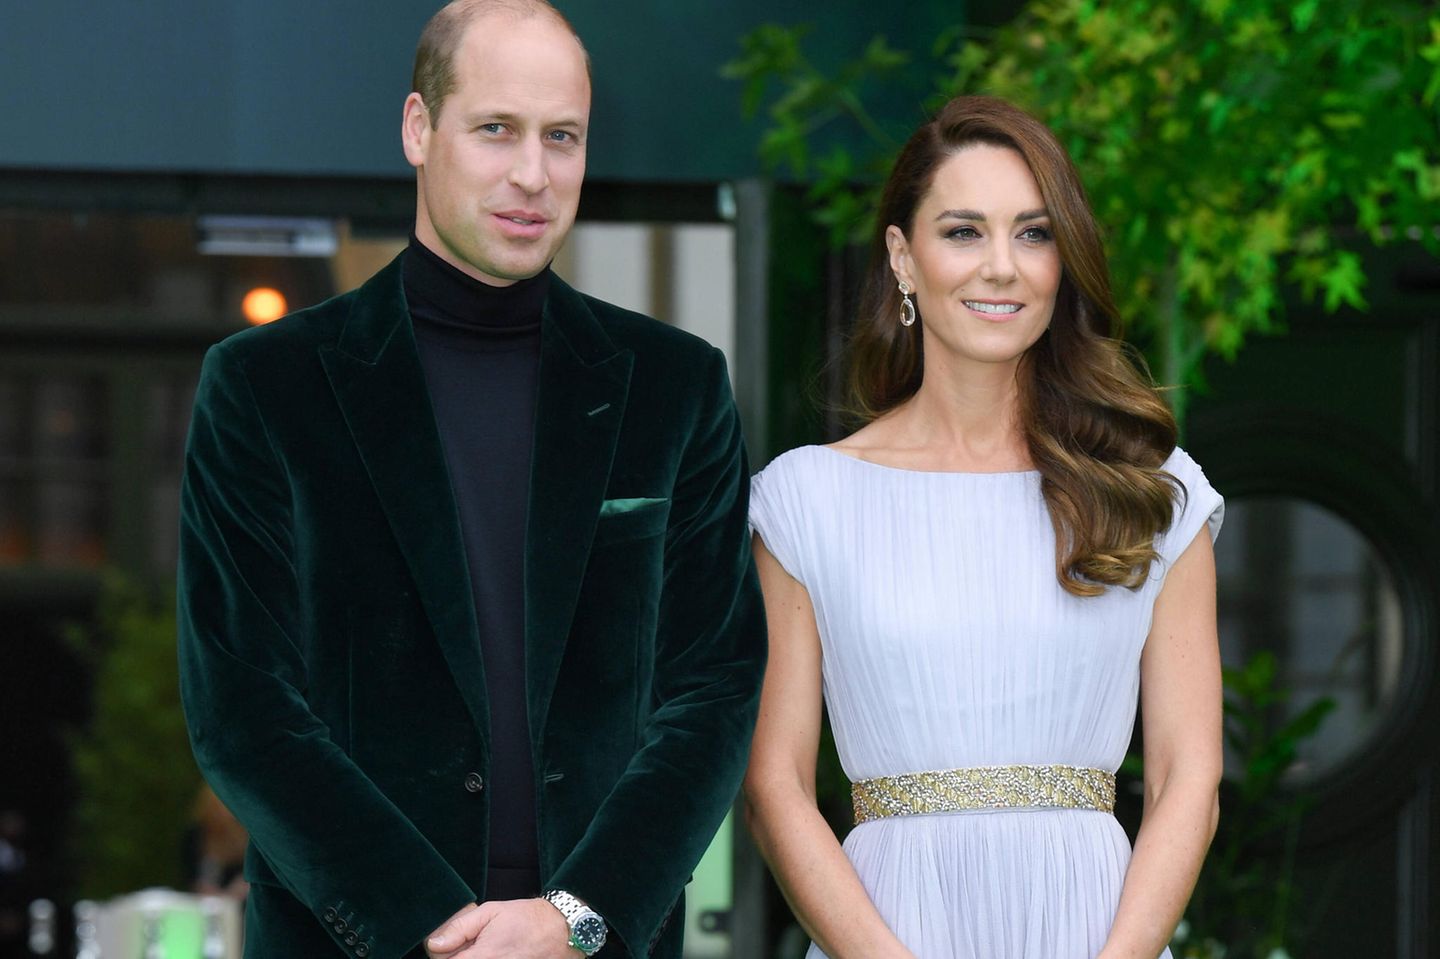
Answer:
x=135 y=779
x=1233 y=151
x=810 y=107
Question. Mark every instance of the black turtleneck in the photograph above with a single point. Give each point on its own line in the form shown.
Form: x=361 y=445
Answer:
x=480 y=349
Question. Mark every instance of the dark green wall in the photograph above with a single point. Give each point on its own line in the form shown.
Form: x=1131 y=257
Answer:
x=315 y=87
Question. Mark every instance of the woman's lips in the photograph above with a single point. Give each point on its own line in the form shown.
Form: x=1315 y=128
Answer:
x=993 y=309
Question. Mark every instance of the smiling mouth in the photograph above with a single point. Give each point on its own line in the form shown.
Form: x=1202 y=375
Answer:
x=998 y=309
x=521 y=220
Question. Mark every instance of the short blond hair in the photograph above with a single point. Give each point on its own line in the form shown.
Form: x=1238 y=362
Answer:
x=434 y=74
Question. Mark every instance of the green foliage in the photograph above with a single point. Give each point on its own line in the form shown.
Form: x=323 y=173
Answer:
x=134 y=775
x=1245 y=896
x=812 y=103
x=1231 y=150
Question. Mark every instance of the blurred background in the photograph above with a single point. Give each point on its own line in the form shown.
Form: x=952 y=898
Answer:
x=1267 y=174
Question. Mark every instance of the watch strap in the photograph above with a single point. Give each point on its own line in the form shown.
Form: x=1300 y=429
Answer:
x=573 y=909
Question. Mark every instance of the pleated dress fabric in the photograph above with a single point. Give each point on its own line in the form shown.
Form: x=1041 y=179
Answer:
x=947 y=642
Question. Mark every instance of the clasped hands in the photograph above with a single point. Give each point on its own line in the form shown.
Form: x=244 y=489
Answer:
x=509 y=929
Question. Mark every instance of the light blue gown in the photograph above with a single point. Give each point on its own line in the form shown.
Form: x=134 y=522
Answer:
x=948 y=642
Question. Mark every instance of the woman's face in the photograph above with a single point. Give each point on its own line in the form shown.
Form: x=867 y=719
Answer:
x=981 y=259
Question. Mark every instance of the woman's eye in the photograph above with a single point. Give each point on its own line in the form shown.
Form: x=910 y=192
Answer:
x=1036 y=234
x=963 y=233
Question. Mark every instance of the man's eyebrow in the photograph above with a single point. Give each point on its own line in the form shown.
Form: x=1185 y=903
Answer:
x=500 y=116
x=977 y=216
x=485 y=116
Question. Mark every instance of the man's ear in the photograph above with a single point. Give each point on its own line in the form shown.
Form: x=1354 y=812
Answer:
x=415 y=130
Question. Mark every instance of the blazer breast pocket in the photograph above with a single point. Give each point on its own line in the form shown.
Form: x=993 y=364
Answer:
x=624 y=520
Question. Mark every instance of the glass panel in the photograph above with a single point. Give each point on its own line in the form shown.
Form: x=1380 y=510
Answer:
x=66 y=471
x=680 y=273
x=70 y=524
x=165 y=524
x=140 y=273
x=14 y=444
x=69 y=419
x=1301 y=582
x=14 y=530
x=12 y=419
x=170 y=400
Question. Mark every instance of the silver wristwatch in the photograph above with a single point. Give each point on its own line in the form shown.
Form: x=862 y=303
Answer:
x=587 y=929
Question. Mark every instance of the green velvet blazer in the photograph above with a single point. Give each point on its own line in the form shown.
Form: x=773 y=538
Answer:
x=330 y=661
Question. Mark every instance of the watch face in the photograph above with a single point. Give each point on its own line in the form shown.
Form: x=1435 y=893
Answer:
x=589 y=932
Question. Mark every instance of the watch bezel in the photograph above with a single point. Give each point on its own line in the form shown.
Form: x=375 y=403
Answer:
x=587 y=932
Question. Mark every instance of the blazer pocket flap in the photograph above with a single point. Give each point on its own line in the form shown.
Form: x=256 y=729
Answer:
x=632 y=518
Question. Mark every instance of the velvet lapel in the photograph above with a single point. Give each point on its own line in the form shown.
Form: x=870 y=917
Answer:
x=375 y=372
x=583 y=384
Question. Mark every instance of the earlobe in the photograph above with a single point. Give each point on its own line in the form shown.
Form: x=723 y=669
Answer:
x=415 y=130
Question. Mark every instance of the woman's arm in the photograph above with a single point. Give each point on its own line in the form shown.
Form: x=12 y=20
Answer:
x=817 y=879
x=1180 y=699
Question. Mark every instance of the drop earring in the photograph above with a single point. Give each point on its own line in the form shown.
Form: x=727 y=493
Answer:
x=907 y=305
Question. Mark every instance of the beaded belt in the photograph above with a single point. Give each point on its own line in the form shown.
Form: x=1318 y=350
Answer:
x=984 y=787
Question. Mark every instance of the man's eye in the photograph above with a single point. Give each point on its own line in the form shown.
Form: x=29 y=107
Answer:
x=492 y=128
x=562 y=136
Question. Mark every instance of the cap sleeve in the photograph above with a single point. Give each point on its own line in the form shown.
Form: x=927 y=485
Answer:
x=775 y=514
x=1197 y=505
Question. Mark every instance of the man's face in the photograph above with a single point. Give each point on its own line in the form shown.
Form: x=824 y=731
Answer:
x=499 y=177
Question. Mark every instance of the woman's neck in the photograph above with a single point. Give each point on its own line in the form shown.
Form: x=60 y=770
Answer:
x=970 y=418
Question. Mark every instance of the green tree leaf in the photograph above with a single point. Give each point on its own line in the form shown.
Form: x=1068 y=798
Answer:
x=1343 y=282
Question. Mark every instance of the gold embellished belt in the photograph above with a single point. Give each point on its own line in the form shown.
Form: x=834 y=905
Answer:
x=984 y=787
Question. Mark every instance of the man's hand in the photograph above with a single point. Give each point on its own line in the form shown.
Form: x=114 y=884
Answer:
x=511 y=929
x=454 y=933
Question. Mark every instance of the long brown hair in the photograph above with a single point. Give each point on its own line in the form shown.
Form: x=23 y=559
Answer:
x=1094 y=425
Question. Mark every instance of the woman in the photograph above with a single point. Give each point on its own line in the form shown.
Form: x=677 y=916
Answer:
x=978 y=580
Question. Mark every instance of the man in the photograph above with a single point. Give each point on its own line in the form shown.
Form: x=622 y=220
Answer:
x=470 y=638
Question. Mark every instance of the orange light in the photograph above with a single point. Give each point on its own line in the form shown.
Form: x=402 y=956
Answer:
x=262 y=305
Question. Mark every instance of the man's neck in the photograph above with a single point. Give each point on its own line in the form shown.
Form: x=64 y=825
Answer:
x=439 y=292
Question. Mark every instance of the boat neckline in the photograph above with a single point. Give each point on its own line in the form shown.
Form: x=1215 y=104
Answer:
x=902 y=469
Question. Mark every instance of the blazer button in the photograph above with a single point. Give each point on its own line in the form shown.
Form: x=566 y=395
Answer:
x=331 y=915
x=351 y=938
x=362 y=950
x=474 y=783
